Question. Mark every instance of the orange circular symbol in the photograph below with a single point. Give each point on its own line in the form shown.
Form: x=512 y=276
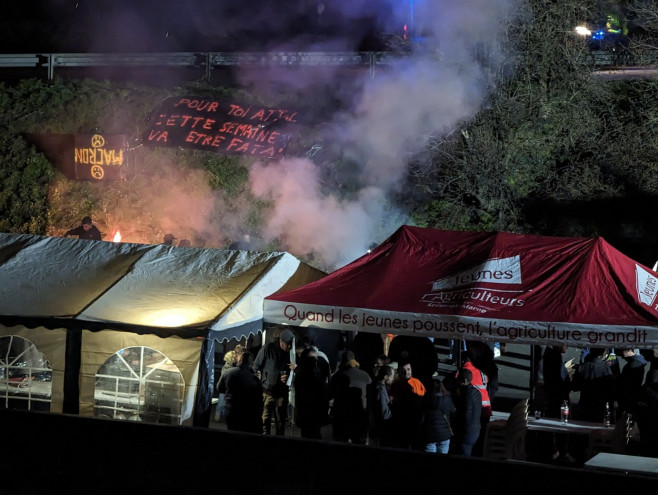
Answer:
x=97 y=172
x=97 y=141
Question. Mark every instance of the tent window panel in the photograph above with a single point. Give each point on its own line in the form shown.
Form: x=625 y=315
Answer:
x=139 y=384
x=25 y=375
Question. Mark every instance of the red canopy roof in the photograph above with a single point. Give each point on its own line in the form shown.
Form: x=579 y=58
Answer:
x=484 y=286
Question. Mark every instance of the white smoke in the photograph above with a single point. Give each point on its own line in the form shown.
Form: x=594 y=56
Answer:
x=392 y=115
x=308 y=221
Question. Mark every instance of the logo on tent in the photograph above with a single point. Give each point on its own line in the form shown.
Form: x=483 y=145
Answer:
x=467 y=289
x=495 y=271
x=646 y=286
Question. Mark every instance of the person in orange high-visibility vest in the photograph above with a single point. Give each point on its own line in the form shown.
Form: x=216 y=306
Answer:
x=479 y=381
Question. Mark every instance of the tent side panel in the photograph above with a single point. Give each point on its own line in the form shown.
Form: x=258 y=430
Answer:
x=52 y=343
x=98 y=347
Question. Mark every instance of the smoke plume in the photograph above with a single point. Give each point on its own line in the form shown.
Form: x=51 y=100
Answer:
x=377 y=121
x=383 y=120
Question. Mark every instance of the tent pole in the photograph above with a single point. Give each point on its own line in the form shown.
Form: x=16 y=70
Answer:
x=533 y=371
x=205 y=387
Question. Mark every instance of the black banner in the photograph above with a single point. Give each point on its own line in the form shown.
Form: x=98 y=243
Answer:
x=100 y=156
x=221 y=126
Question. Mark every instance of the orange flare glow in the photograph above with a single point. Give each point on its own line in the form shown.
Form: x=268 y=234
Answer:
x=117 y=237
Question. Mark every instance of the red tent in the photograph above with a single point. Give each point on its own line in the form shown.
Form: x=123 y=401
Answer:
x=497 y=286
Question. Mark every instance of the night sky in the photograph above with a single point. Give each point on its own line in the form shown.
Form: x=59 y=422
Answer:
x=190 y=25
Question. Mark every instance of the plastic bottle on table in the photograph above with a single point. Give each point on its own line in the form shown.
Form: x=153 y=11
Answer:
x=607 y=417
x=564 y=411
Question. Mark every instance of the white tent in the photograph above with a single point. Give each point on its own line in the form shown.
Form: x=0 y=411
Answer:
x=79 y=302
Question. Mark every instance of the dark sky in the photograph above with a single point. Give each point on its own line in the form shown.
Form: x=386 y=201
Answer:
x=188 y=25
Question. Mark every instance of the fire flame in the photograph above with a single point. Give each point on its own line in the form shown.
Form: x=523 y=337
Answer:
x=117 y=237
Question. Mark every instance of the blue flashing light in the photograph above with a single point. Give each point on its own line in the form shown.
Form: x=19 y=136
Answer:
x=598 y=35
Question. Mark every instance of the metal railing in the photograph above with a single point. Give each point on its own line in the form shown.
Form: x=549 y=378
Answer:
x=208 y=61
x=203 y=60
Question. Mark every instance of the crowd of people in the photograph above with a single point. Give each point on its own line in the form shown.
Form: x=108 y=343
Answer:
x=405 y=403
x=603 y=384
x=402 y=403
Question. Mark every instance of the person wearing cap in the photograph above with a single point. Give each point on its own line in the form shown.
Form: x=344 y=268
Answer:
x=274 y=366
x=86 y=230
x=348 y=388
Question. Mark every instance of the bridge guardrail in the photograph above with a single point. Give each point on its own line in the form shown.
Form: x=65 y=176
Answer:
x=205 y=60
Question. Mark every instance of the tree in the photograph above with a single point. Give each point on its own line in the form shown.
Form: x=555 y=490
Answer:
x=553 y=134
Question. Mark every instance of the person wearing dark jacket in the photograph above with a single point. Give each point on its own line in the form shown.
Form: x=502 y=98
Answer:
x=379 y=408
x=595 y=381
x=557 y=385
x=311 y=401
x=231 y=362
x=348 y=389
x=480 y=381
x=244 y=399
x=647 y=416
x=468 y=410
x=629 y=383
x=86 y=230
x=274 y=365
x=439 y=410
